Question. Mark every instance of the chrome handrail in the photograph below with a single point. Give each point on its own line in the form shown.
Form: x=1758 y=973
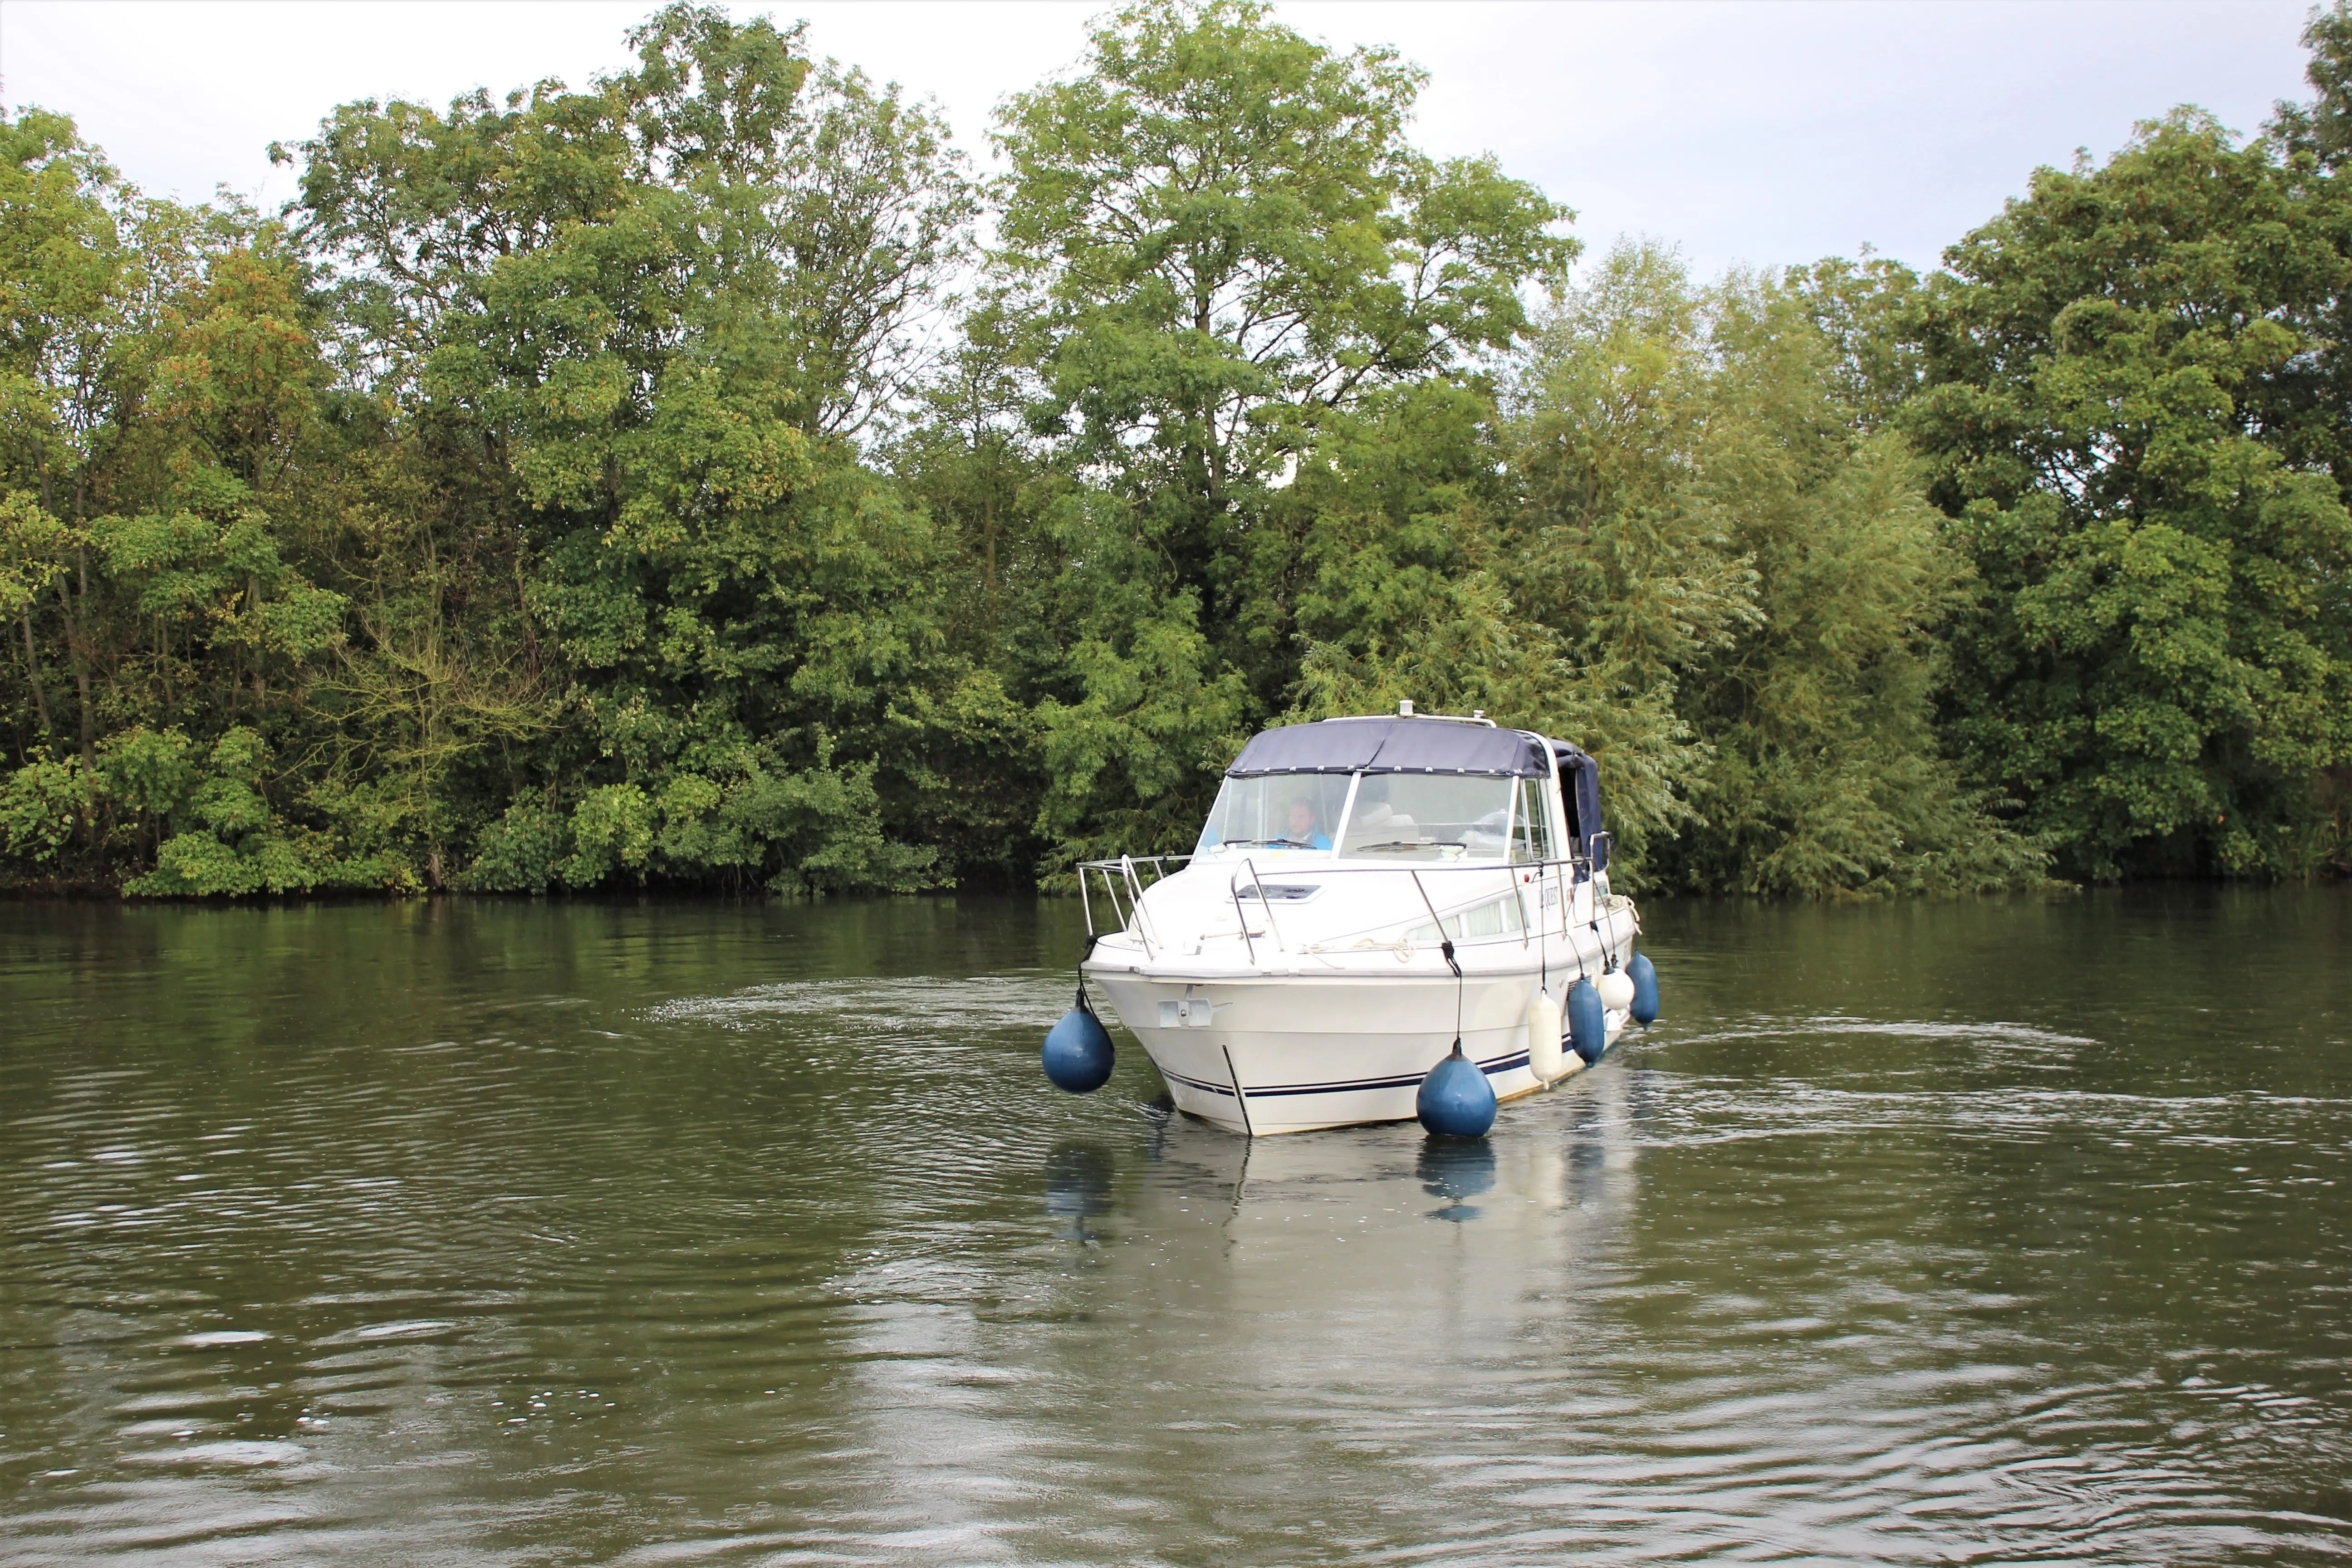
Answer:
x=1127 y=871
x=1265 y=904
x=1241 y=915
x=1138 y=922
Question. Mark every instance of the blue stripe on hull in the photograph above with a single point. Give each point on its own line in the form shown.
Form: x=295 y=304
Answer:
x=1352 y=1086
x=1225 y=1089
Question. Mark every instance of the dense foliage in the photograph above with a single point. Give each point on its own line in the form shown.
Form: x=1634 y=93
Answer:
x=657 y=482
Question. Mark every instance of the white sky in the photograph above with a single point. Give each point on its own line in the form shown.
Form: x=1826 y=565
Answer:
x=1758 y=132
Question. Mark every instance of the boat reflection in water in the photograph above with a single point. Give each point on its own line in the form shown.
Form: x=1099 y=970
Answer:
x=1372 y=1226
x=1078 y=1186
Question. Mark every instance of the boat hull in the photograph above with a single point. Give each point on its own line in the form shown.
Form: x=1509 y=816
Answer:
x=1263 y=1054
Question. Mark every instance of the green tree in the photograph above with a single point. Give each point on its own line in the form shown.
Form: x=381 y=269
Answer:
x=1603 y=547
x=1225 y=247
x=160 y=376
x=1747 y=586
x=1826 y=776
x=606 y=486
x=2131 y=404
x=654 y=309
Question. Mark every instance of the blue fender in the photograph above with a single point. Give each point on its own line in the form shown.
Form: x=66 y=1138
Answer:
x=1078 y=1055
x=1644 y=976
x=1455 y=1100
x=1588 y=1022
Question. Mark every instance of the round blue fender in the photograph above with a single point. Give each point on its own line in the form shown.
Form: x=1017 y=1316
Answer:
x=1455 y=1100
x=1078 y=1055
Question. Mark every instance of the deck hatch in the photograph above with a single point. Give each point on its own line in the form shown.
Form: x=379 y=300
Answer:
x=1281 y=892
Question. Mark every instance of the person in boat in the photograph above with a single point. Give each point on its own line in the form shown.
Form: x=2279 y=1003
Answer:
x=1301 y=828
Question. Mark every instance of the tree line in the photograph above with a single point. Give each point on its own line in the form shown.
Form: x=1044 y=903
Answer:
x=707 y=479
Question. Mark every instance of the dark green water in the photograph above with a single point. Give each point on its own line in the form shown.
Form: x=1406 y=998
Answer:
x=484 y=1233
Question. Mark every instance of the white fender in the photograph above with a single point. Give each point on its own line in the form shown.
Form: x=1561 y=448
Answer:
x=1616 y=991
x=1544 y=1057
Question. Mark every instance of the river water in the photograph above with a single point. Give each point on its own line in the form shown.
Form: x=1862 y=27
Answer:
x=524 y=1233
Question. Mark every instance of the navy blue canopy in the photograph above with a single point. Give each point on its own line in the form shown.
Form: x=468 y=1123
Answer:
x=1579 y=781
x=1392 y=746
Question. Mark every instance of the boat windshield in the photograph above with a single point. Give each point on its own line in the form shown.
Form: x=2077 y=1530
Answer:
x=1404 y=816
x=1430 y=816
x=1277 y=811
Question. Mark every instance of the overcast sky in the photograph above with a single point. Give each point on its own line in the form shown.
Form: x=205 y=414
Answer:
x=1758 y=133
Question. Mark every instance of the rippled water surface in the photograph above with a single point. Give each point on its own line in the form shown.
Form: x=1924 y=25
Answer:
x=491 y=1233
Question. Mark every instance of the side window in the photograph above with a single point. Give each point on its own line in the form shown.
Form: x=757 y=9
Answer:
x=1531 y=822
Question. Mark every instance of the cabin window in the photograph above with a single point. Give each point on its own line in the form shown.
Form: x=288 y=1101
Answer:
x=1429 y=816
x=1276 y=811
x=1531 y=824
x=1500 y=919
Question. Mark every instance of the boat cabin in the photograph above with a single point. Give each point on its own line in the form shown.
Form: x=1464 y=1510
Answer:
x=1408 y=789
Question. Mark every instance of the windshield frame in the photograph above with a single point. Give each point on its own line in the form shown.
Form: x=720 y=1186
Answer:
x=1451 y=853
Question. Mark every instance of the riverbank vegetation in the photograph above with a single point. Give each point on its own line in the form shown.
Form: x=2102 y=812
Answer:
x=706 y=478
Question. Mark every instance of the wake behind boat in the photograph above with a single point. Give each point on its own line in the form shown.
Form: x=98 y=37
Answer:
x=1367 y=892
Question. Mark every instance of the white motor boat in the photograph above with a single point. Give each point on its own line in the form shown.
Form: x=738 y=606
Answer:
x=1367 y=892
